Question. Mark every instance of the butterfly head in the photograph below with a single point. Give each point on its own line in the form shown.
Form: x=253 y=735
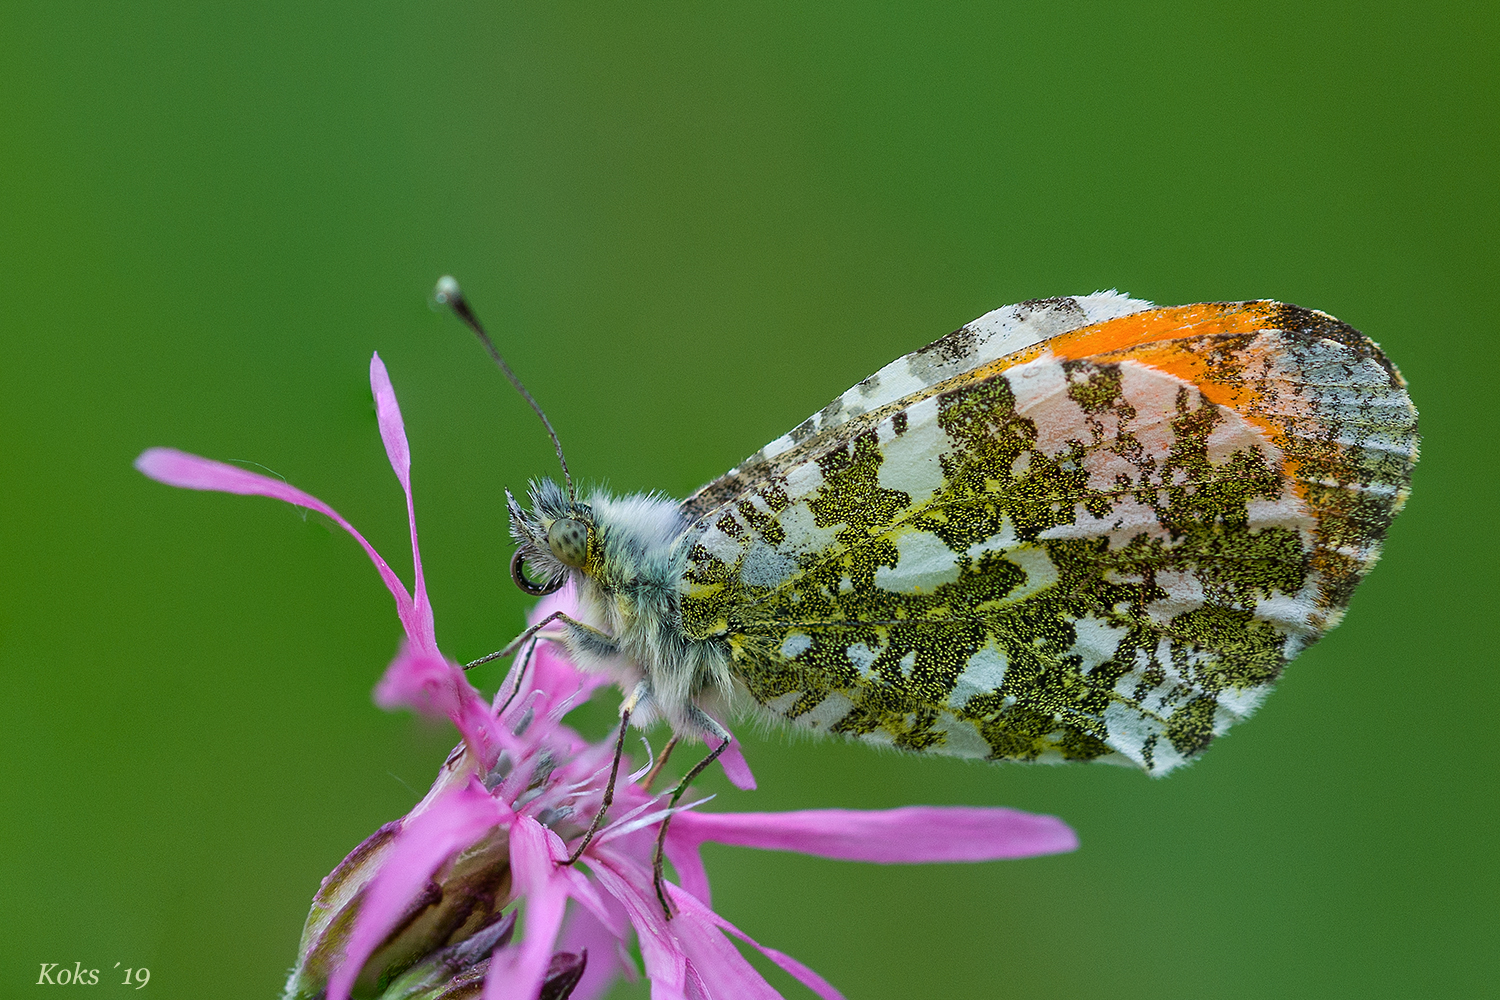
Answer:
x=556 y=536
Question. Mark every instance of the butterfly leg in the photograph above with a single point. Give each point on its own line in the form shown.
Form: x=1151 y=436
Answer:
x=586 y=635
x=614 y=771
x=661 y=760
x=712 y=730
x=520 y=672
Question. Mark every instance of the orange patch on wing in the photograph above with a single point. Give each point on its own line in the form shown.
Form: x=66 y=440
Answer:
x=1155 y=337
x=1203 y=320
x=1164 y=339
x=1158 y=338
x=1161 y=338
x=1155 y=327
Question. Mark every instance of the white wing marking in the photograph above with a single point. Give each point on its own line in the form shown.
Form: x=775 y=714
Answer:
x=994 y=335
x=925 y=562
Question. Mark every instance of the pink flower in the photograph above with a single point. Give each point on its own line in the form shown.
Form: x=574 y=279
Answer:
x=424 y=908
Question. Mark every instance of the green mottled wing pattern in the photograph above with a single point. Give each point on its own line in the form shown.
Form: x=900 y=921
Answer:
x=1104 y=545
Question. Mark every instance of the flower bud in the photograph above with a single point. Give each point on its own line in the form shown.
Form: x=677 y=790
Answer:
x=563 y=974
x=453 y=924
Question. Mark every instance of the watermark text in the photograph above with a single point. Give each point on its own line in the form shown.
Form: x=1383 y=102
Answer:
x=58 y=974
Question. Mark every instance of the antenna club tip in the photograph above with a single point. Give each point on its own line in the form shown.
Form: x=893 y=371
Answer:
x=447 y=290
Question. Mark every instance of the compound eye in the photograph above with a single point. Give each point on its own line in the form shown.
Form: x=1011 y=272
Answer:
x=568 y=539
x=526 y=583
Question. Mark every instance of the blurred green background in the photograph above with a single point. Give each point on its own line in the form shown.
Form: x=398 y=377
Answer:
x=691 y=225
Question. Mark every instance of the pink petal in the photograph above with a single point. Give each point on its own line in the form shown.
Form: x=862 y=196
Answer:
x=630 y=884
x=543 y=862
x=718 y=964
x=693 y=988
x=807 y=977
x=553 y=672
x=585 y=932
x=913 y=834
x=516 y=972
x=178 y=468
x=736 y=768
x=732 y=760
x=427 y=839
x=688 y=861
x=433 y=686
x=393 y=434
x=689 y=957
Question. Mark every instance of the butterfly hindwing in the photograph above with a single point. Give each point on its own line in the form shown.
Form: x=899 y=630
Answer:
x=1105 y=544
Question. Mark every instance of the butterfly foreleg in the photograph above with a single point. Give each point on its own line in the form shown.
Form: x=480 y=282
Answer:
x=711 y=730
x=585 y=635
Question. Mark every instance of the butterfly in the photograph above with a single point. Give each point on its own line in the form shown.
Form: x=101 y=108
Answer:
x=1075 y=529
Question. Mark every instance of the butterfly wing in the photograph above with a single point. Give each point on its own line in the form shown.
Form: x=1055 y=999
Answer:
x=1103 y=544
x=994 y=335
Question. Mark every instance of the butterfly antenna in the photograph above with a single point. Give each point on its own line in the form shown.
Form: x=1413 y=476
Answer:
x=448 y=293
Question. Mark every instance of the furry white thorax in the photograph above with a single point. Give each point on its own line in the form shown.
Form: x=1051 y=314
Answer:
x=629 y=591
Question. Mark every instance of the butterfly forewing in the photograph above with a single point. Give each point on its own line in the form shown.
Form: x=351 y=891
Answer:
x=994 y=335
x=1102 y=545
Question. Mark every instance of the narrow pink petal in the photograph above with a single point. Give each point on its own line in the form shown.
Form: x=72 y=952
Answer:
x=807 y=977
x=552 y=671
x=393 y=433
x=732 y=760
x=627 y=962
x=736 y=768
x=585 y=932
x=688 y=861
x=531 y=865
x=388 y=415
x=178 y=468
x=913 y=834
x=642 y=817
x=662 y=990
x=584 y=892
x=546 y=851
x=693 y=986
x=516 y=971
x=426 y=840
x=630 y=884
x=720 y=967
x=434 y=687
